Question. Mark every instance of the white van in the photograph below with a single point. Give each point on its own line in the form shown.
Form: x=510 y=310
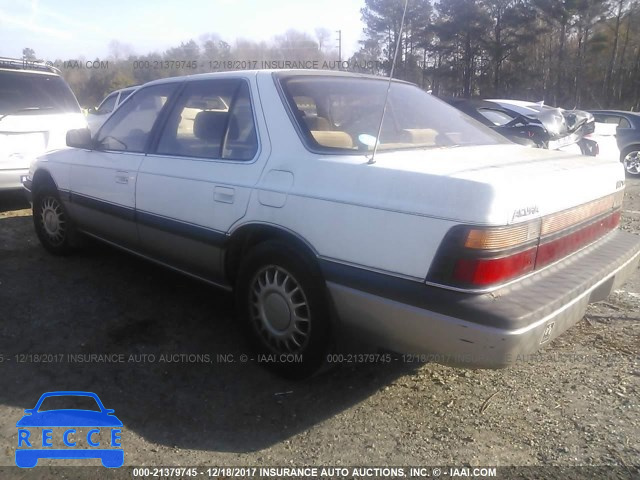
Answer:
x=37 y=108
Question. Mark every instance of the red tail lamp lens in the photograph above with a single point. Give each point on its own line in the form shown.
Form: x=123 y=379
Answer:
x=556 y=249
x=487 y=271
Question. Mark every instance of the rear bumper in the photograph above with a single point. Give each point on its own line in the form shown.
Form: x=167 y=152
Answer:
x=28 y=186
x=482 y=330
x=10 y=179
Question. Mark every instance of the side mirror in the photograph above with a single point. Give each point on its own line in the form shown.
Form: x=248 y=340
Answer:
x=80 y=138
x=29 y=410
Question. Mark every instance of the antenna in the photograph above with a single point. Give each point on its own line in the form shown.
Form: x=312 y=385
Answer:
x=386 y=97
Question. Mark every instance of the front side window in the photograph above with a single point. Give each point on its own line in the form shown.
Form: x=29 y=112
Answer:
x=211 y=119
x=25 y=93
x=129 y=127
x=338 y=114
x=108 y=104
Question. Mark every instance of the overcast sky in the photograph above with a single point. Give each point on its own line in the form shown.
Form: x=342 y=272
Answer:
x=69 y=29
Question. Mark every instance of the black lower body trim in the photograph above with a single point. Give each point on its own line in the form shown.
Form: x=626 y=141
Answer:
x=166 y=224
x=182 y=229
x=126 y=213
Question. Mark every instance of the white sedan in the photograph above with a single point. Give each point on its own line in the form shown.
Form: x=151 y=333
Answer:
x=449 y=241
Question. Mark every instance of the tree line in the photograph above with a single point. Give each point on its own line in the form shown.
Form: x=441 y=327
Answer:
x=570 y=53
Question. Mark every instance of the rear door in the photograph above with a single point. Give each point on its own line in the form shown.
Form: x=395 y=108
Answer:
x=103 y=181
x=198 y=181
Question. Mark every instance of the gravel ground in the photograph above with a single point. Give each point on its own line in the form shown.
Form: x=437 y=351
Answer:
x=576 y=403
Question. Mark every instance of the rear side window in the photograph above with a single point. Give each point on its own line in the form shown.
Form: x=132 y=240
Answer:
x=211 y=119
x=624 y=123
x=496 y=117
x=26 y=93
x=613 y=119
x=129 y=127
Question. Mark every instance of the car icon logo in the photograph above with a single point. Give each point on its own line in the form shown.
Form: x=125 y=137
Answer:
x=69 y=433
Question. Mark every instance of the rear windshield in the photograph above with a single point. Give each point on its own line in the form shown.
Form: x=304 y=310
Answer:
x=338 y=114
x=24 y=93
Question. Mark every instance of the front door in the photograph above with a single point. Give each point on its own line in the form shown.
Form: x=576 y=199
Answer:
x=103 y=181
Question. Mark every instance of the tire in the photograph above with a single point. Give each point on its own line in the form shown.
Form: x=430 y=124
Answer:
x=281 y=300
x=52 y=222
x=631 y=160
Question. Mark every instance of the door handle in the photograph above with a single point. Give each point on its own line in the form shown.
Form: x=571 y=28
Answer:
x=122 y=177
x=224 y=194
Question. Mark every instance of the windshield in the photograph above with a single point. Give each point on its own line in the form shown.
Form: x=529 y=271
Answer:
x=65 y=402
x=24 y=93
x=341 y=113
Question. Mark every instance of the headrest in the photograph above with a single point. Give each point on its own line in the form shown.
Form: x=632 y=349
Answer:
x=425 y=136
x=332 y=139
x=209 y=126
x=317 y=123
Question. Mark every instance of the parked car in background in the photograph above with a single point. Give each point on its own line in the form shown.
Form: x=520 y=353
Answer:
x=518 y=128
x=450 y=241
x=95 y=118
x=605 y=135
x=627 y=126
x=566 y=128
x=37 y=108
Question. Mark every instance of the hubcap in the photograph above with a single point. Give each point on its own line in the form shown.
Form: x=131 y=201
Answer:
x=632 y=163
x=53 y=220
x=279 y=310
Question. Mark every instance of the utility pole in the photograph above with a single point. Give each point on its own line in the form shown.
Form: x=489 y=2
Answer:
x=339 y=32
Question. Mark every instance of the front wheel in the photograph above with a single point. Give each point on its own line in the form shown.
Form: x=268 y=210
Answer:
x=282 y=302
x=52 y=223
x=631 y=161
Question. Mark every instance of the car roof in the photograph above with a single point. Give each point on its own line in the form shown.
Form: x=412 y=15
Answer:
x=74 y=393
x=518 y=106
x=518 y=103
x=475 y=102
x=269 y=72
x=35 y=66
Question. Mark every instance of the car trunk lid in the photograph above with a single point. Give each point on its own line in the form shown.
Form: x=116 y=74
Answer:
x=496 y=185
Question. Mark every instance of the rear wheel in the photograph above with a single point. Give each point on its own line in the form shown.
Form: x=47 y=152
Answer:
x=52 y=223
x=281 y=300
x=631 y=161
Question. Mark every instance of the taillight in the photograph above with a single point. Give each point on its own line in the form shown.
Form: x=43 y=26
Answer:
x=487 y=271
x=480 y=257
x=554 y=249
